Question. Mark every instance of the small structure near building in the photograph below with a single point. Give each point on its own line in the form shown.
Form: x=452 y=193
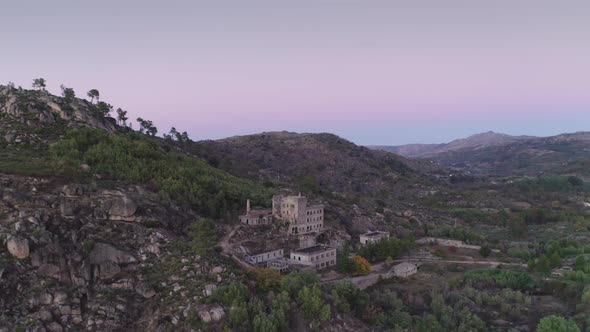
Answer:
x=404 y=270
x=373 y=237
x=318 y=256
x=307 y=240
x=280 y=264
x=256 y=217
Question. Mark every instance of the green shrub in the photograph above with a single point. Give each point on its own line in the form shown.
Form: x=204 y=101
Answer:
x=135 y=158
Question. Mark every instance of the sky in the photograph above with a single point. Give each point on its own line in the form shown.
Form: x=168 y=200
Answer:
x=374 y=72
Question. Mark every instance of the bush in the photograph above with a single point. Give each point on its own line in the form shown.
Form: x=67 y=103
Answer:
x=555 y=323
x=500 y=278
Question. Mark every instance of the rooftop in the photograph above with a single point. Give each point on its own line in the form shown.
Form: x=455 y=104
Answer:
x=314 y=249
x=374 y=233
x=261 y=246
x=257 y=213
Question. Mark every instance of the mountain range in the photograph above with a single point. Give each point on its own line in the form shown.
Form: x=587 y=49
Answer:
x=498 y=154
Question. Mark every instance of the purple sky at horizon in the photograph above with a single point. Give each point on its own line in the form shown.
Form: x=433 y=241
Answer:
x=374 y=72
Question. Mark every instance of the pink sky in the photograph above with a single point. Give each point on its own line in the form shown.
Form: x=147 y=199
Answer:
x=375 y=72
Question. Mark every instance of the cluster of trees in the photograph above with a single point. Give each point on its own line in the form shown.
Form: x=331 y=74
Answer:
x=551 y=184
x=104 y=109
x=556 y=323
x=383 y=249
x=356 y=265
x=177 y=136
x=499 y=278
x=461 y=234
x=297 y=291
x=132 y=157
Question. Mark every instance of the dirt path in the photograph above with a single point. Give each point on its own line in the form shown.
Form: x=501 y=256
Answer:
x=226 y=250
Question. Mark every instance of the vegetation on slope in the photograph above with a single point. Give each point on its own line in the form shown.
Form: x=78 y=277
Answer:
x=134 y=158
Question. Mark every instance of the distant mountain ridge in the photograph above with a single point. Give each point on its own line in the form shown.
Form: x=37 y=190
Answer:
x=504 y=155
x=476 y=141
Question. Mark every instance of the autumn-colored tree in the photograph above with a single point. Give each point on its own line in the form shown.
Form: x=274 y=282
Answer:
x=362 y=265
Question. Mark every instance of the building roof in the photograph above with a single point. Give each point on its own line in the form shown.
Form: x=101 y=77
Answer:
x=314 y=249
x=374 y=233
x=405 y=265
x=259 y=247
x=257 y=213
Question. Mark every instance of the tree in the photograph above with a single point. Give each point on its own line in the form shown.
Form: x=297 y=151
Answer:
x=39 y=84
x=555 y=323
x=93 y=94
x=485 y=251
x=312 y=305
x=122 y=117
x=104 y=109
x=575 y=181
x=518 y=226
x=147 y=126
x=267 y=278
x=362 y=266
x=555 y=260
x=67 y=93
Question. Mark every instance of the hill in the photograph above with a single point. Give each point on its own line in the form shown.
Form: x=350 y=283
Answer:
x=503 y=155
x=327 y=167
x=474 y=142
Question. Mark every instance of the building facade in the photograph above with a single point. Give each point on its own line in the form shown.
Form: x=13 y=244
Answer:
x=318 y=256
x=374 y=236
x=301 y=217
x=265 y=256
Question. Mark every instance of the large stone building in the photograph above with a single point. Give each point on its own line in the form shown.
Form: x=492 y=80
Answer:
x=318 y=256
x=301 y=217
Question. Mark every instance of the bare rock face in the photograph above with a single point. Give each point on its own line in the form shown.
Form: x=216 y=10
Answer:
x=104 y=253
x=212 y=313
x=123 y=208
x=18 y=247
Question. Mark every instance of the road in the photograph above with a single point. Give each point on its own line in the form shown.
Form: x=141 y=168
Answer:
x=373 y=277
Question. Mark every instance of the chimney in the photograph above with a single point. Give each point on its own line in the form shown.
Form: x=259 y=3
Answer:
x=248 y=206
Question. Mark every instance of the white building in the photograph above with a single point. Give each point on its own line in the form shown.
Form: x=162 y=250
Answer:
x=280 y=264
x=264 y=255
x=318 y=256
x=301 y=217
x=373 y=236
x=404 y=270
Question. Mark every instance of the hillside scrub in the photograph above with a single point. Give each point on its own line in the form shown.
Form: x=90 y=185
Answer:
x=135 y=158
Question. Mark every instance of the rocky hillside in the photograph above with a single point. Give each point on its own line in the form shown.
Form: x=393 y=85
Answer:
x=88 y=257
x=38 y=108
x=474 y=142
x=101 y=229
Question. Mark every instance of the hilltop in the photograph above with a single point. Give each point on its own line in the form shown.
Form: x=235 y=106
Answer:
x=327 y=166
x=473 y=142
